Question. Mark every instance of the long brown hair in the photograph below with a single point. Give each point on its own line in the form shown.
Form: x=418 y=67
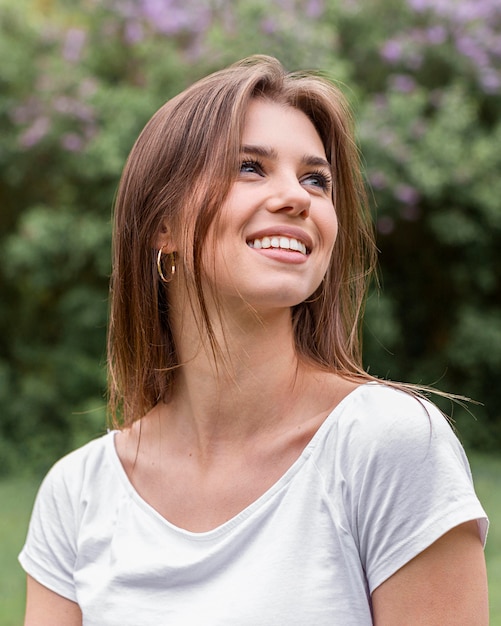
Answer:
x=179 y=172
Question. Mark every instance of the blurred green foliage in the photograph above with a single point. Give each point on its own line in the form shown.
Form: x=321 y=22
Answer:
x=78 y=80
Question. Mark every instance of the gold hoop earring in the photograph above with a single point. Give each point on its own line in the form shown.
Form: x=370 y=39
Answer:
x=172 y=266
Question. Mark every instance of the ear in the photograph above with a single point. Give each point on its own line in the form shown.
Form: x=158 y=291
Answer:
x=164 y=240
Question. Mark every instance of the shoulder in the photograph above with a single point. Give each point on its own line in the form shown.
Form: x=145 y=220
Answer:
x=82 y=481
x=388 y=429
x=376 y=411
x=376 y=408
x=52 y=543
x=88 y=454
x=384 y=401
x=395 y=475
x=80 y=466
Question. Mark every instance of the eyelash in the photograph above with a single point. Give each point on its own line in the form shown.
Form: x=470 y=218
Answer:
x=324 y=180
x=257 y=165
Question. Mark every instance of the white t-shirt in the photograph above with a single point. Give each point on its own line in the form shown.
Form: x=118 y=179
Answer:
x=380 y=481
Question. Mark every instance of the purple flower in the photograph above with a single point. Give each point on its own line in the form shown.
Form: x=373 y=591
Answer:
x=418 y=5
x=407 y=194
x=315 y=8
x=471 y=11
x=472 y=25
x=134 y=32
x=436 y=35
x=392 y=51
x=495 y=45
x=491 y=81
x=403 y=83
x=35 y=133
x=73 y=44
x=72 y=142
x=71 y=107
x=378 y=180
x=268 y=26
x=468 y=47
x=174 y=16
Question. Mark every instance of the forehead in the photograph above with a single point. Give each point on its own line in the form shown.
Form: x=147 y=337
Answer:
x=281 y=127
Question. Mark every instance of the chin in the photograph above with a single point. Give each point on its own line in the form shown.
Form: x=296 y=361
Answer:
x=276 y=301
x=266 y=295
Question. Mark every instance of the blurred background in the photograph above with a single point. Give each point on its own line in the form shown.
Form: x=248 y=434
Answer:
x=80 y=78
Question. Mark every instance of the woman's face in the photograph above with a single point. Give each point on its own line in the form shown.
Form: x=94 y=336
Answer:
x=278 y=225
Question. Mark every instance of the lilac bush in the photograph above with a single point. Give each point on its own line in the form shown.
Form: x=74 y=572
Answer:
x=79 y=81
x=473 y=27
x=430 y=128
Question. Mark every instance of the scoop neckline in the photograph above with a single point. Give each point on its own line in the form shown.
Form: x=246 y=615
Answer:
x=254 y=506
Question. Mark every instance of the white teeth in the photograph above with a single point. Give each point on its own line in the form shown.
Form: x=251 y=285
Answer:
x=284 y=243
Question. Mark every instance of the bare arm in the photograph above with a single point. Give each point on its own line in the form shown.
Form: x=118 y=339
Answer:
x=46 y=608
x=446 y=585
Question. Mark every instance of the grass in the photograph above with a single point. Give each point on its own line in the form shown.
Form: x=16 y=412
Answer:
x=487 y=475
x=17 y=495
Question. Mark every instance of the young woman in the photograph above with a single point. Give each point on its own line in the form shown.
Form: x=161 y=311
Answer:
x=256 y=474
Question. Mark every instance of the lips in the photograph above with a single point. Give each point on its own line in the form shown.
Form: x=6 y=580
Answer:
x=284 y=243
x=291 y=239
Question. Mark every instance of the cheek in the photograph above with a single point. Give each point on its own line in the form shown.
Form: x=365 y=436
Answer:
x=219 y=247
x=329 y=228
x=335 y=228
x=329 y=232
x=227 y=218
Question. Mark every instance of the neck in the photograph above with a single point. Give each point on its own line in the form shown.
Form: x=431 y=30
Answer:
x=254 y=381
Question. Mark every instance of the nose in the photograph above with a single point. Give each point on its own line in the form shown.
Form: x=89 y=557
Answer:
x=288 y=195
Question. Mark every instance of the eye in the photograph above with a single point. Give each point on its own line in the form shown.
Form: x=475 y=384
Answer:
x=322 y=180
x=251 y=167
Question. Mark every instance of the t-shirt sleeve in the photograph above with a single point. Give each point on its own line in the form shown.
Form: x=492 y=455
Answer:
x=410 y=482
x=49 y=552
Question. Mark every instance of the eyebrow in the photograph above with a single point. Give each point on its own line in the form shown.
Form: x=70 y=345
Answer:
x=266 y=152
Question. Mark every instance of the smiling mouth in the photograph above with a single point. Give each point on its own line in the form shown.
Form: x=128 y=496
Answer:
x=279 y=242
